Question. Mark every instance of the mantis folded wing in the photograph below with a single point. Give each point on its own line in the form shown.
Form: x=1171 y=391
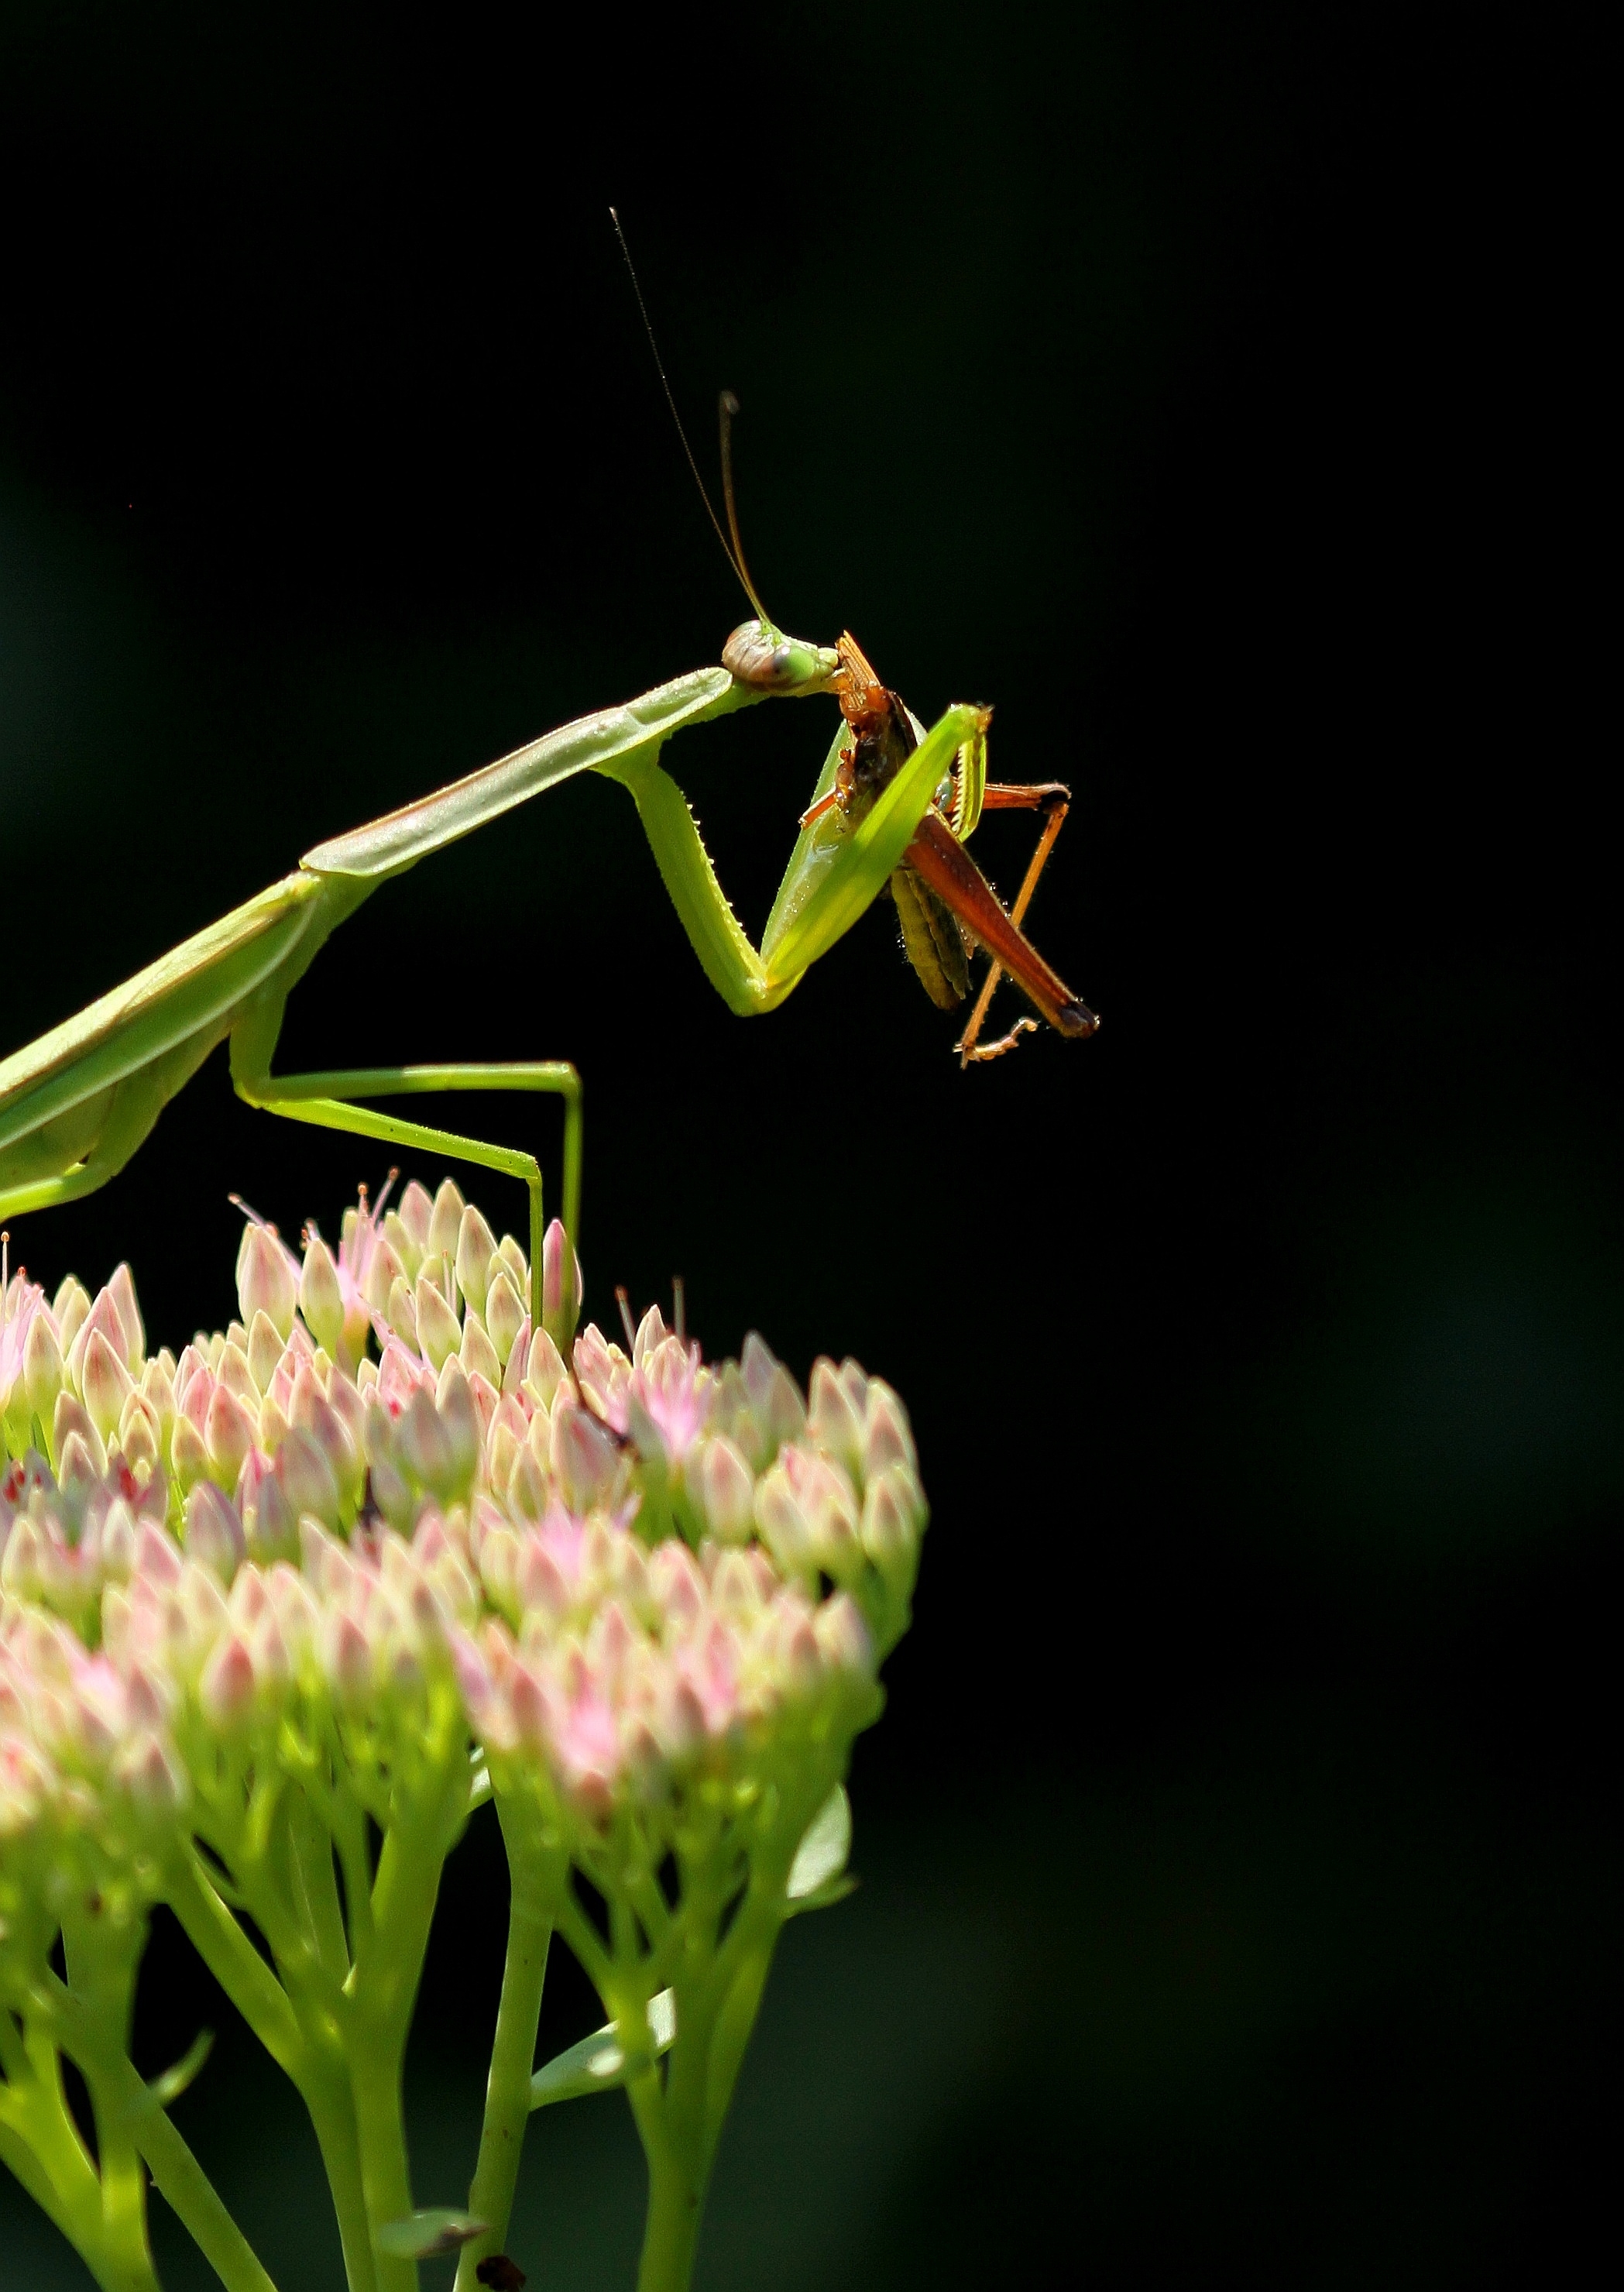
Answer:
x=76 y=1104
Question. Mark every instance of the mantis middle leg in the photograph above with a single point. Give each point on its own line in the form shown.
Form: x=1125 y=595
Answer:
x=327 y=1098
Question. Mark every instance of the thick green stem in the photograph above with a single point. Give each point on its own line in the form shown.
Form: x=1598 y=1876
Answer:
x=670 y=2235
x=507 y=2093
x=305 y=2055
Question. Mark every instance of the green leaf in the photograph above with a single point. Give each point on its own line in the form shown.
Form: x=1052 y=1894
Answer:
x=428 y=2235
x=597 y=2064
x=823 y=1851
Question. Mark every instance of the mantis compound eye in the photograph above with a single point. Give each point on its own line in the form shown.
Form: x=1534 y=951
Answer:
x=759 y=655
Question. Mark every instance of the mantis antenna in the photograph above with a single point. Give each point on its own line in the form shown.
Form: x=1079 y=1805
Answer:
x=729 y=407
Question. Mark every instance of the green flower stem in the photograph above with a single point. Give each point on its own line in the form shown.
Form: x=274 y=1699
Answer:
x=534 y=1877
x=316 y=2069
x=382 y=1991
x=101 y=1960
x=175 y=2172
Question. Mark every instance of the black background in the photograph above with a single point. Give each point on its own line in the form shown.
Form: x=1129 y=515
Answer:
x=1210 y=389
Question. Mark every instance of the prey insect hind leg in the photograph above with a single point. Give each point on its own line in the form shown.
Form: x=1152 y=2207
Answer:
x=1052 y=798
x=327 y=1100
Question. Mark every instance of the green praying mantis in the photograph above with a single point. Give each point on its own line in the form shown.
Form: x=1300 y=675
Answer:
x=893 y=806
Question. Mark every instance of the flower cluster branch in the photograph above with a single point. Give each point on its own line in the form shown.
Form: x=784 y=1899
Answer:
x=277 y=1615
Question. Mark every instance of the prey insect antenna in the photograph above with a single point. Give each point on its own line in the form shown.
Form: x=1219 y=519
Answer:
x=626 y=1322
x=736 y=559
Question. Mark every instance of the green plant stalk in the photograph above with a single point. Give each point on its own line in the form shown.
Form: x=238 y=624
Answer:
x=175 y=2172
x=316 y=2069
x=533 y=1881
x=101 y=1961
x=382 y=1992
x=43 y=2145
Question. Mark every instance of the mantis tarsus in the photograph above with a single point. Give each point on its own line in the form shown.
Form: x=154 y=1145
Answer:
x=889 y=802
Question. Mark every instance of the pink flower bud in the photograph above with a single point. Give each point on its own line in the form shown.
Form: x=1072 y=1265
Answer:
x=584 y=1458
x=445 y=1220
x=227 y=1433
x=226 y=1689
x=476 y=1353
x=833 y=1423
x=42 y=1368
x=270 y=1522
x=151 y=1773
x=238 y=1378
x=459 y=1415
x=676 y=1586
x=561 y=1291
x=321 y=1300
x=314 y=1413
x=346 y=1658
x=188 y=1459
x=103 y=1319
x=785 y=1528
x=526 y=1487
x=106 y=1383
x=544 y=1372
x=118 y=1542
x=264 y=1353
x=722 y=1487
x=886 y=1439
x=504 y=1313
x=842 y=1637
x=213 y=1533
x=438 y=1331
x=893 y=1514
x=120 y=1289
x=267 y=1279
x=308 y=1480
x=138 y=1437
x=416 y=1214
x=157 y=1561
x=70 y=1419
x=158 y=1391
x=423 y=1447
x=476 y=1245
x=70 y=1308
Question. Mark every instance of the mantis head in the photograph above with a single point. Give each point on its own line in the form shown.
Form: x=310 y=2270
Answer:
x=762 y=656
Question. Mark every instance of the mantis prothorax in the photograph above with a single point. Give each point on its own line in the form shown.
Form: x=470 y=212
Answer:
x=76 y=1104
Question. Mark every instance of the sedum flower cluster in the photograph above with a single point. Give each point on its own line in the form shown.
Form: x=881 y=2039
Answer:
x=334 y=1574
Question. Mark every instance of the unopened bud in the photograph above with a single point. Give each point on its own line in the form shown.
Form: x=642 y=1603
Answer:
x=315 y=1414
x=42 y=1368
x=321 y=1300
x=226 y=1689
x=227 y=1433
x=721 y=1485
x=842 y=1637
x=401 y=1312
x=106 y=1383
x=561 y=1290
x=476 y=1353
x=504 y=1312
x=266 y=1280
x=422 y=1446
x=188 y=1459
x=584 y=1459
x=887 y=1439
x=893 y=1513
x=70 y=1307
x=833 y=1423
x=120 y=1289
x=785 y=1528
x=70 y=1421
x=544 y=1373
x=308 y=1480
x=439 y=1330
x=270 y=1522
x=454 y=1403
x=476 y=1245
x=213 y=1533
x=138 y=1439
x=445 y=1221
